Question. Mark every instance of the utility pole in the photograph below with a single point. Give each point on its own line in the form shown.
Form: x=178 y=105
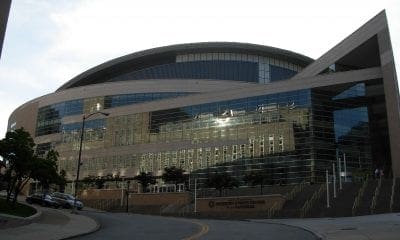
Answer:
x=334 y=180
x=327 y=189
x=345 y=167
x=340 y=174
x=195 y=195
x=127 y=196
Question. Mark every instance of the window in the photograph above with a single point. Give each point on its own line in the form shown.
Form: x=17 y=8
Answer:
x=182 y=159
x=225 y=154
x=216 y=155
x=242 y=151
x=251 y=147
x=159 y=162
x=200 y=157
x=261 y=146
x=234 y=152
x=271 y=143
x=190 y=159
x=281 y=146
x=208 y=157
x=174 y=158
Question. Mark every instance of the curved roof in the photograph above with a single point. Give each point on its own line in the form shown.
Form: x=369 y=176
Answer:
x=167 y=54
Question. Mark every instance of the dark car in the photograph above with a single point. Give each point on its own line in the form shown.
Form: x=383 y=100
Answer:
x=67 y=200
x=43 y=199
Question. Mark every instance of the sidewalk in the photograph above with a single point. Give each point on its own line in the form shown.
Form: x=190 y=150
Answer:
x=53 y=224
x=371 y=227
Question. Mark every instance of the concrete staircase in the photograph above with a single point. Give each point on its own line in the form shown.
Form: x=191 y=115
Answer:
x=365 y=205
x=291 y=209
x=340 y=206
x=383 y=201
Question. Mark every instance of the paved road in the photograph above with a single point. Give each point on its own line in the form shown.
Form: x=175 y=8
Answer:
x=132 y=226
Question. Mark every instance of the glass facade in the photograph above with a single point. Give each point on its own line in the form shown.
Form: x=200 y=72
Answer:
x=223 y=70
x=221 y=66
x=291 y=136
x=49 y=117
x=128 y=99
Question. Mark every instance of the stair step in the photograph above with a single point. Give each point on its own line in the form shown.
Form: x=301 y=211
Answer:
x=365 y=204
x=291 y=209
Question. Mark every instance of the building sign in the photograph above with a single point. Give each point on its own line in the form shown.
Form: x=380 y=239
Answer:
x=239 y=204
x=236 y=203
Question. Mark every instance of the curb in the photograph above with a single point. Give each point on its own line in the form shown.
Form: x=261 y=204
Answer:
x=35 y=216
x=317 y=235
x=95 y=229
x=31 y=218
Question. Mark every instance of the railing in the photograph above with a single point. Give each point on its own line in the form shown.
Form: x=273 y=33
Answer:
x=276 y=207
x=310 y=203
x=376 y=194
x=297 y=189
x=104 y=204
x=392 y=196
x=359 y=196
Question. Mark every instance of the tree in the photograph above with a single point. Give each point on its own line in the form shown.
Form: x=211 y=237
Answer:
x=23 y=164
x=62 y=181
x=145 y=179
x=17 y=150
x=117 y=178
x=173 y=175
x=46 y=170
x=99 y=181
x=256 y=178
x=221 y=181
x=89 y=180
x=3 y=180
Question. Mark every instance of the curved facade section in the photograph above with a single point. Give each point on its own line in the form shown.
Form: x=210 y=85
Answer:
x=219 y=60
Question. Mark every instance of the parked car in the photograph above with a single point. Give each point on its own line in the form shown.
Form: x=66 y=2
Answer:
x=67 y=200
x=43 y=199
x=3 y=194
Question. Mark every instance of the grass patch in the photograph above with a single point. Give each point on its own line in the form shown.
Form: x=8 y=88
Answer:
x=20 y=210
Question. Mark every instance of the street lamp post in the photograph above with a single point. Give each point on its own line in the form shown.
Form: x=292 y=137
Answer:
x=127 y=196
x=79 y=163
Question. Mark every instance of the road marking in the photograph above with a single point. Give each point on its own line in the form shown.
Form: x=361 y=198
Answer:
x=204 y=230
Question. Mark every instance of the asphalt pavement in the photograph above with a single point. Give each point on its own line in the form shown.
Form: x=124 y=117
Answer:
x=134 y=226
x=61 y=224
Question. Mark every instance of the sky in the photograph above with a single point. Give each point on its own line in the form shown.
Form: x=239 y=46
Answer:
x=49 y=42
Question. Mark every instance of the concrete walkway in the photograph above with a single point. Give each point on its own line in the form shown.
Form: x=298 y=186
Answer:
x=371 y=227
x=53 y=224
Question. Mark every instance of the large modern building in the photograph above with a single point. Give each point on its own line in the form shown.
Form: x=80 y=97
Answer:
x=233 y=107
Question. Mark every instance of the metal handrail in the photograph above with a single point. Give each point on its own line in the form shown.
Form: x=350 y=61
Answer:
x=277 y=206
x=271 y=210
x=297 y=189
x=376 y=194
x=392 y=195
x=309 y=203
x=359 y=196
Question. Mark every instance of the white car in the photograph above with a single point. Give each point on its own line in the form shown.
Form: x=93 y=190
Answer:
x=67 y=200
